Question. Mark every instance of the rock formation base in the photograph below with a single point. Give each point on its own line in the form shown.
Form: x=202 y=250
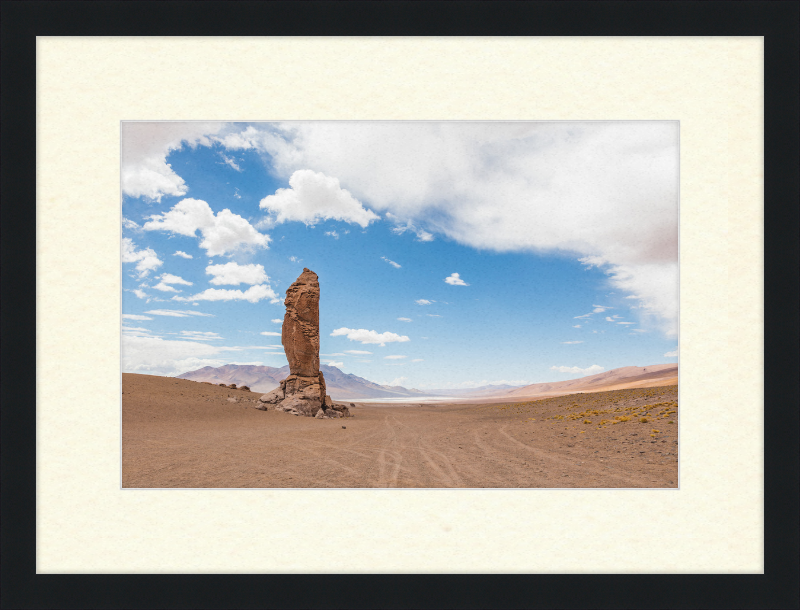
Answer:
x=303 y=396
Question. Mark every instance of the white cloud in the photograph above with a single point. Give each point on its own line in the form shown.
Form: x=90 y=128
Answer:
x=140 y=293
x=236 y=194
x=369 y=336
x=167 y=279
x=333 y=234
x=144 y=148
x=424 y=302
x=312 y=197
x=231 y=162
x=254 y=294
x=134 y=316
x=455 y=280
x=591 y=370
x=334 y=355
x=277 y=320
x=271 y=334
x=146 y=260
x=395 y=357
x=357 y=352
x=605 y=190
x=418 y=360
x=399 y=229
x=609 y=319
x=672 y=354
x=397 y=381
x=221 y=234
x=235 y=274
x=404 y=319
x=129 y=224
x=599 y=308
x=294 y=259
x=571 y=342
x=332 y=363
x=182 y=254
x=626 y=323
x=178 y=314
x=639 y=330
x=577 y=326
x=433 y=315
x=584 y=316
x=157 y=356
x=392 y=263
x=200 y=335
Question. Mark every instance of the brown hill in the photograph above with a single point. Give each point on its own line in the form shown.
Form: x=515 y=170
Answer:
x=651 y=376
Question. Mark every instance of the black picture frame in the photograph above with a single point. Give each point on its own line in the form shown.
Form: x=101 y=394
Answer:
x=777 y=21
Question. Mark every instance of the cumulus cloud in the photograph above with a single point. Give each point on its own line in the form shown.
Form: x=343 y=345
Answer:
x=423 y=302
x=167 y=279
x=277 y=320
x=571 y=342
x=140 y=293
x=332 y=363
x=133 y=316
x=235 y=274
x=146 y=260
x=455 y=280
x=395 y=357
x=577 y=326
x=254 y=294
x=221 y=234
x=271 y=334
x=591 y=370
x=404 y=319
x=369 y=336
x=599 y=308
x=182 y=254
x=672 y=354
x=606 y=192
x=129 y=224
x=609 y=319
x=312 y=197
x=145 y=146
x=174 y=313
x=333 y=234
x=356 y=352
x=392 y=263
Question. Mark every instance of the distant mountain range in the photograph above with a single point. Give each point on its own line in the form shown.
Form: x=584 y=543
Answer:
x=340 y=386
x=624 y=377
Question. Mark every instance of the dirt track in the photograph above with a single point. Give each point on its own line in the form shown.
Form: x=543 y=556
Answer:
x=179 y=433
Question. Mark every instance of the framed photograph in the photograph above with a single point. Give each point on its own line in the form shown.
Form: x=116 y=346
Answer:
x=296 y=110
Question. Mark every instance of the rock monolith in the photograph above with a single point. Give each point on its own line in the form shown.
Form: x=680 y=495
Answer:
x=303 y=391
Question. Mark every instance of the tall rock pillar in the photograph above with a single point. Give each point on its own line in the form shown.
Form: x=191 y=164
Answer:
x=303 y=391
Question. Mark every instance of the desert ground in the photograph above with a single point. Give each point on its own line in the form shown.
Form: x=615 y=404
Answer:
x=180 y=433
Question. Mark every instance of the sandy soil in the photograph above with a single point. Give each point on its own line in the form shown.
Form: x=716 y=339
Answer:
x=180 y=433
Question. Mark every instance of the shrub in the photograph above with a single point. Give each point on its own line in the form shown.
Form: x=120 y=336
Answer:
x=587 y=421
x=644 y=420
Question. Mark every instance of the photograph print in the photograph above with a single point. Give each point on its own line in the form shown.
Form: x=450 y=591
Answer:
x=399 y=304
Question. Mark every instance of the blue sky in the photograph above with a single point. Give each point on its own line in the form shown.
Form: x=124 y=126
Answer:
x=449 y=254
